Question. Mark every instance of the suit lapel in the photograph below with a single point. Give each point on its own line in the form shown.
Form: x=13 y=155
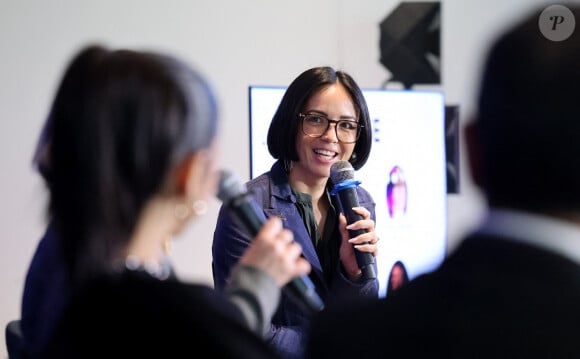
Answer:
x=292 y=220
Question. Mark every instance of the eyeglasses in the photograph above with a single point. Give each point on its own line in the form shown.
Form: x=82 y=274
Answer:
x=316 y=125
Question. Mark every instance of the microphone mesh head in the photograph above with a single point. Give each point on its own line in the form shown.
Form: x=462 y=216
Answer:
x=341 y=171
x=230 y=186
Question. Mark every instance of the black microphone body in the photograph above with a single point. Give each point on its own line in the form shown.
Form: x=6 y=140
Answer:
x=342 y=175
x=240 y=202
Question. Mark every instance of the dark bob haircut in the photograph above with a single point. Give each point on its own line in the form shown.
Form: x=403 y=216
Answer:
x=286 y=122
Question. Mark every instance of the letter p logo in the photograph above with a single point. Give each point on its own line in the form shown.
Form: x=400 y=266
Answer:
x=556 y=20
x=556 y=23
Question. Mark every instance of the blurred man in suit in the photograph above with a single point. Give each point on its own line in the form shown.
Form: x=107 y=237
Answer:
x=512 y=288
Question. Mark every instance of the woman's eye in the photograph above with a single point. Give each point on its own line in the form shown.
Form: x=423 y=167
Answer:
x=316 y=119
x=348 y=125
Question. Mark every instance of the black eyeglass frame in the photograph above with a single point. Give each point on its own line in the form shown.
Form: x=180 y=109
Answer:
x=303 y=116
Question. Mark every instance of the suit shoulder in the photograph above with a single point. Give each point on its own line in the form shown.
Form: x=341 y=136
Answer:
x=260 y=185
x=364 y=195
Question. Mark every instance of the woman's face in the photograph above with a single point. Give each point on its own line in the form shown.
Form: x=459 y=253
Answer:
x=396 y=277
x=316 y=155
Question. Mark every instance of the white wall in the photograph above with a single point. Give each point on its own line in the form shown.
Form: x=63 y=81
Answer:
x=235 y=43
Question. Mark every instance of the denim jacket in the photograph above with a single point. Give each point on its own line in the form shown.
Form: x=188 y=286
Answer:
x=273 y=196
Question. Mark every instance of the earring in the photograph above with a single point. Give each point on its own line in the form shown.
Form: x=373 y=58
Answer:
x=167 y=246
x=199 y=207
x=353 y=158
x=181 y=211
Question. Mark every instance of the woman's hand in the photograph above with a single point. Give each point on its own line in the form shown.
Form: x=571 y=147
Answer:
x=366 y=242
x=274 y=251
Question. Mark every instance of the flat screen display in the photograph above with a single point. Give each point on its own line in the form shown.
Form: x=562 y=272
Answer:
x=405 y=172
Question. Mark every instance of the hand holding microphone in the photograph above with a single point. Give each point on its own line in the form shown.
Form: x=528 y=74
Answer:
x=342 y=175
x=273 y=249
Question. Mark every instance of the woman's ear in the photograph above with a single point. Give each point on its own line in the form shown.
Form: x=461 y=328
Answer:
x=182 y=175
x=194 y=175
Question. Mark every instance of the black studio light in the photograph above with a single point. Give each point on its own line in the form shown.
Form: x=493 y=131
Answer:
x=410 y=43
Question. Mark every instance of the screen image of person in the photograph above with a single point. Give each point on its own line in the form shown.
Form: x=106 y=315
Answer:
x=511 y=288
x=397 y=193
x=321 y=119
x=398 y=277
x=132 y=155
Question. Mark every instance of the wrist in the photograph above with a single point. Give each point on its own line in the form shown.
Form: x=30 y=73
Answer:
x=353 y=275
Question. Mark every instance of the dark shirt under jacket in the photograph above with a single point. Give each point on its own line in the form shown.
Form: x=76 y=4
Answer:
x=133 y=315
x=274 y=196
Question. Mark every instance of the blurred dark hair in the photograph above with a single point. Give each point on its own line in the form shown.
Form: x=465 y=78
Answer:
x=119 y=122
x=286 y=122
x=71 y=84
x=529 y=119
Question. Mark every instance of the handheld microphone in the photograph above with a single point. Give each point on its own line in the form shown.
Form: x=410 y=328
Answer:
x=233 y=193
x=342 y=175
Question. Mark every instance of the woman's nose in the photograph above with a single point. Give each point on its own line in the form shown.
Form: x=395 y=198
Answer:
x=330 y=133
